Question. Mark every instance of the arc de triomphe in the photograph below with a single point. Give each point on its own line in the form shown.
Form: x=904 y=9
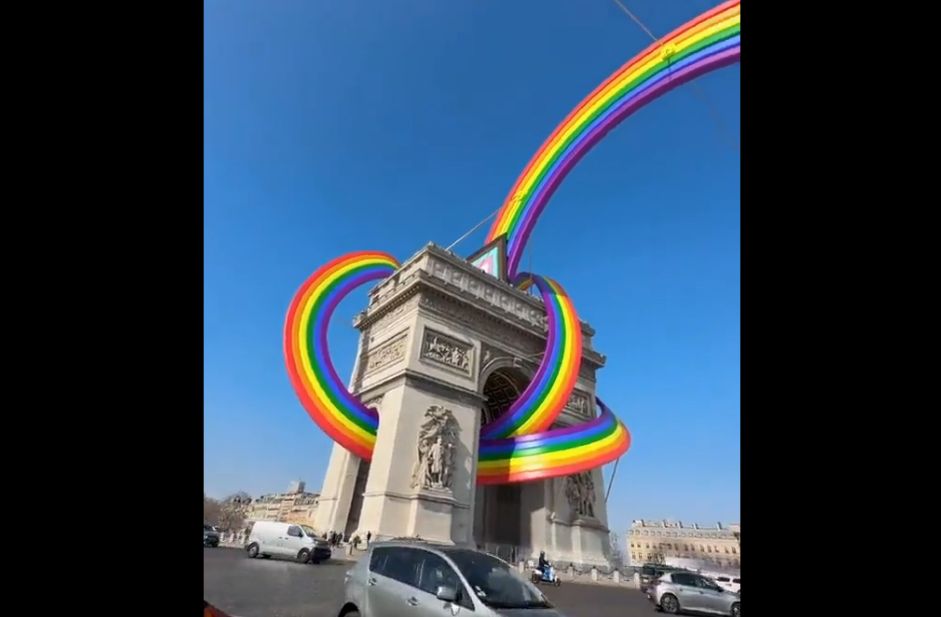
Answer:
x=444 y=347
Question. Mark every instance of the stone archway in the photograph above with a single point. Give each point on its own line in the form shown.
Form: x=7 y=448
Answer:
x=497 y=509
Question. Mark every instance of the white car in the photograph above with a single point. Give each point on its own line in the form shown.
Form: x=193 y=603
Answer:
x=297 y=542
x=729 y=583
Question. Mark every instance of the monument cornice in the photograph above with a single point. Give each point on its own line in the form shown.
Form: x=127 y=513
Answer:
x=450 y=279
x=446 y=266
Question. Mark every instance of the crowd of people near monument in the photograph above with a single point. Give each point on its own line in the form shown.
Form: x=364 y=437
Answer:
x=335 y=538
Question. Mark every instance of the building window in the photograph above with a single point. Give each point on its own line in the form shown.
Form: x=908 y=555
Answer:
x=726 y=550
x=733 y=550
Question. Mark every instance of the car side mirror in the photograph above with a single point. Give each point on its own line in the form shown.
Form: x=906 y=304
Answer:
x=446 y=593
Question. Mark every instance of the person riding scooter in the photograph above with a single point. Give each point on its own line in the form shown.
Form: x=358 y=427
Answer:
x=545 y=573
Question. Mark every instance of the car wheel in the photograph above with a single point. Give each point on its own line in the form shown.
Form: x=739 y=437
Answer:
x=253 y=550
x=303 y=555
x=736 y=610
x=351 y=614
x=670 y=604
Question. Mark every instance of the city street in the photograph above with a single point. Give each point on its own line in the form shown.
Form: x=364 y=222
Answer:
x=246 y=587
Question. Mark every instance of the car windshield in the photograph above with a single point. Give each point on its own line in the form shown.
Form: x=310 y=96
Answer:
x=309 y=531
x=495 y=582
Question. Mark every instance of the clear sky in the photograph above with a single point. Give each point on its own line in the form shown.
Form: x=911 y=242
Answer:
x=340 y=126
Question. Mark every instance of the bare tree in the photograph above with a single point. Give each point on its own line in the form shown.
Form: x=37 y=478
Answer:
x=232 y=512
x=212 y=510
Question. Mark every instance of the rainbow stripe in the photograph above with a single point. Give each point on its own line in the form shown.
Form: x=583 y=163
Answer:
x=545 y=396
x=703 y=44
x=340 y=414
x=550 y=454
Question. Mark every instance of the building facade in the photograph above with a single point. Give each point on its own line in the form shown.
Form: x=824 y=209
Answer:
x=294 y=506
x=689 y=546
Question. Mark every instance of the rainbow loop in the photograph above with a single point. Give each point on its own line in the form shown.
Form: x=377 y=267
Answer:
x=513 y=448
x=519 y=445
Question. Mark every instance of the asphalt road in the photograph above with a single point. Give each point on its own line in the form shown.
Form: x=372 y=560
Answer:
x=246 y=587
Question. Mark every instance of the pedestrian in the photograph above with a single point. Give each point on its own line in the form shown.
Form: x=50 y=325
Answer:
x=368 y=537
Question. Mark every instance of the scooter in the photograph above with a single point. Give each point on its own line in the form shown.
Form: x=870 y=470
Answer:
x=546 y=576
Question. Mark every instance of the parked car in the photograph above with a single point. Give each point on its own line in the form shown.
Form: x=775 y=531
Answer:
x=396 y=578
x=729 y=583
x=298 y=542
x=210 y=536
x=685 y=591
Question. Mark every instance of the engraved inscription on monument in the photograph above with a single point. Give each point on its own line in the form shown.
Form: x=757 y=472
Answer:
x=580 y=492
x=436 y=440
x=386 y=354
x=442 y=349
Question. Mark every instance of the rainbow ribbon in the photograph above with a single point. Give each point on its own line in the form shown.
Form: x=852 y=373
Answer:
x=544 y=398
x=708 y=42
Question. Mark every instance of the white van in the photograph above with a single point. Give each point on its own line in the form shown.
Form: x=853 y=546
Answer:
x=298 y=542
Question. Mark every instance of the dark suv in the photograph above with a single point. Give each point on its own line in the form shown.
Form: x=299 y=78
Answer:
x=652 y=571
x=210 y=536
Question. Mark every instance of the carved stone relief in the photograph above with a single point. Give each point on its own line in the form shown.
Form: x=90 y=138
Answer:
x=580 y=492
x=460 y=315
x=437 y=439
x=579 y=405
x=443 y=349
x=386 y=354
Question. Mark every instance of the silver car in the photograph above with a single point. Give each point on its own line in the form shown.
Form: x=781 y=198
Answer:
x=421 y=579
x=684 y=591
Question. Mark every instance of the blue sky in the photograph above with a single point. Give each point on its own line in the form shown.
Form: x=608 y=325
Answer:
x=340 y=126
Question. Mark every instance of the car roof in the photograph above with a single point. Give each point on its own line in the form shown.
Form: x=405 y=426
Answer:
x=409 y=542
